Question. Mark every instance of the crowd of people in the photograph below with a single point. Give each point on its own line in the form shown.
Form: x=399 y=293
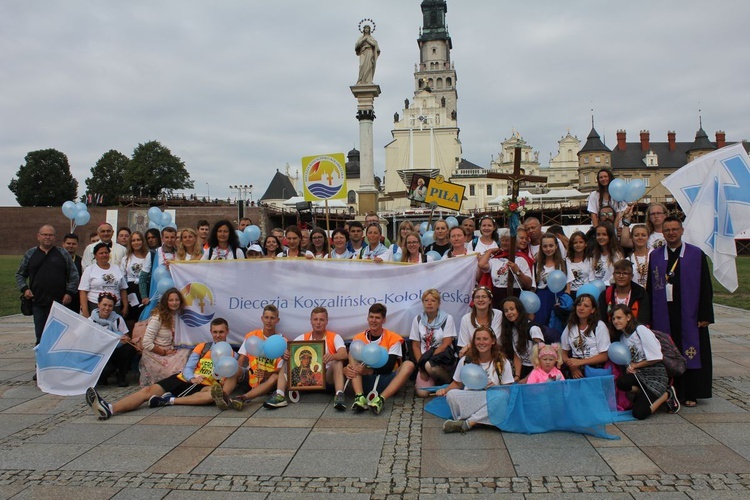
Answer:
x=652 y=279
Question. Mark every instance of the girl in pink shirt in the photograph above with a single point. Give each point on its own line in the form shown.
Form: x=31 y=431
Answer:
x=547 y=361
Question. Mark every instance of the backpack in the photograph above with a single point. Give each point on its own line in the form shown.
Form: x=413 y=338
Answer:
x=551 y=335
x=670 y=355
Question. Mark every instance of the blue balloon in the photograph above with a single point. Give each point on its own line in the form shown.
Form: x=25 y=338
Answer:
x=371 y=354
x=255 y=346
x=423 y=228
x=164 y=285
x=226 y=366
x=275 y=346
x=220 y=350
x=154 y=225
x=166 y=218
x=383 y=352
x=81 y=206
x=556 y=281
x=619 y=353
x=473 y=377
x=600 y=285
x=161 y=273
x=435 y=255
x=617 y=189
x=253 y=233
x=530 y=301
x=172 y=224
x=428 y=238
x=154 y=215
x=355 y=349
x=242 y=237
x=635 y=190
x=590 y=289
x=82 y=217
x=451 y=221
x=69 y=209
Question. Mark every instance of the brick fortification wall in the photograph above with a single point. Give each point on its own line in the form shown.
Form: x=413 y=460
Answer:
x=19 y=225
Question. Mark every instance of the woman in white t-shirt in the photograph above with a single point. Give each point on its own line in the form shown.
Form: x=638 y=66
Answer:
x=482 y=314
x=102 y=276
x=223 y=243
x=601 y=198
x=646 y=375
x=131 y=267
x=432 y=334
x=488 y=236
x=469 y=407
x=585 y=340
x=580 y=266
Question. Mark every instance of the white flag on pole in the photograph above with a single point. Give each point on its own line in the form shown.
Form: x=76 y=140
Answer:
x=72 y=353
x=714 y=193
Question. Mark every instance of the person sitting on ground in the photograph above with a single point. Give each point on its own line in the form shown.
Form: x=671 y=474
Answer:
x=122 y=357
x=391 y=377
x=432 y=334
x=645 y=376
x=547 y=361
x=195 y=385
x=469 y=407
x=334 y=357
x=160 y=357
x=260 y=372
x=585 y=340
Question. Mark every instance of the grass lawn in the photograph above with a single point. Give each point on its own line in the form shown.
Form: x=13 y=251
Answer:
x=9 y=303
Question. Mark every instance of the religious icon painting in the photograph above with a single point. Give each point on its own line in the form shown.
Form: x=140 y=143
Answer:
x=418 y=189
x=306 y=370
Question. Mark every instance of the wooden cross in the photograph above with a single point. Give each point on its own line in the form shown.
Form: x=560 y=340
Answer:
x=515 y=179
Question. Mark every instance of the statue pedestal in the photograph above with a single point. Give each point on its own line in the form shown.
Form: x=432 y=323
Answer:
x=367 y=195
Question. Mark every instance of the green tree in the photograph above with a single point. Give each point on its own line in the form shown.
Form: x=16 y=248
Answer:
x=45 y=180
x=108 y=177
x=153 y=169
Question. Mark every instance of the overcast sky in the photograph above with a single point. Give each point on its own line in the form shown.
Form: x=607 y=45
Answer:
x=237 y=89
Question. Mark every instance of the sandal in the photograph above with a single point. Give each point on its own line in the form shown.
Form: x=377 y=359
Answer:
x=691 y=404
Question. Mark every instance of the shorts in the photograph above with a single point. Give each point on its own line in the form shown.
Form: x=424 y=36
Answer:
x=368 y=381
x=179 y=387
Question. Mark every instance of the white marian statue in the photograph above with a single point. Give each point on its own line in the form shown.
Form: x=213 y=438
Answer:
x=368 y=51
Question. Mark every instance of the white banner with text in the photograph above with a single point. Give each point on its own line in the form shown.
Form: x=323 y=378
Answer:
x=238 y=290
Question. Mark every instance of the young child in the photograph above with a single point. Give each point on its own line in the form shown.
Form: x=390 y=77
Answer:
x=547 y=361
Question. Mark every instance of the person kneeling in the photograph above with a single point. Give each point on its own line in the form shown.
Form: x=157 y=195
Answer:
x=392 y=376
x=194 y=386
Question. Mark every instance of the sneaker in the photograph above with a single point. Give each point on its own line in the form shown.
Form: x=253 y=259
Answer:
x=455 y=426
x=217 y=394
x=376 y=405
x=673 y=404
x=98 y=404
x=339 y=401
x=360 y=403
x=159 y=401
x=235 y=404
x=275 y=401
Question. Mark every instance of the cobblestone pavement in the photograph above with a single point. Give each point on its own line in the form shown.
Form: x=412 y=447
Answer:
x=53 y=446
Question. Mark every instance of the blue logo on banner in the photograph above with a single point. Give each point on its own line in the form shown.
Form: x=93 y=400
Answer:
x=48 y=357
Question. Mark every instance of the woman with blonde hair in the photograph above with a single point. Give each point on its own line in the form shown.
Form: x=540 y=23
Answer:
x=413 y=251
x=432 y=335
x=404 y=230
x=190 y=247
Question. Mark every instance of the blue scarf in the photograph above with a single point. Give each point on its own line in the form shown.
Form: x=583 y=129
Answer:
x=108 y=323
x=371 y=253
x=436 y=323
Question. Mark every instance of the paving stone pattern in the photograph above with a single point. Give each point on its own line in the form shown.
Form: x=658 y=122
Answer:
x=53 y=447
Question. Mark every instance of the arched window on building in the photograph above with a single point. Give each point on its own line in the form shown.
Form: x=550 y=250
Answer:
x=439 y=83
x=351 y=197
x=448 y=82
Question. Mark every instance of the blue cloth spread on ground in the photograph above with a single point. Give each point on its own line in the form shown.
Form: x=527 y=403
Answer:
x=584 y=405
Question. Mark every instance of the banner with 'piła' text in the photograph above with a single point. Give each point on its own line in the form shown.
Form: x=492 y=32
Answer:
x=238 y=290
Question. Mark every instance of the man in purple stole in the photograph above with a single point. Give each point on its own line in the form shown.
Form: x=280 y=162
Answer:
x=679 y=283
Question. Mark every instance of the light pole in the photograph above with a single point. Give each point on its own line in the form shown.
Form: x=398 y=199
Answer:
x=208 y=191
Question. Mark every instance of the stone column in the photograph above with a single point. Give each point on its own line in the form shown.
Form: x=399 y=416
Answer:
x=367 y=196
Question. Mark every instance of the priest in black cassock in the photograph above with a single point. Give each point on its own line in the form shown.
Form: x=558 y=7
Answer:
x=679 y=283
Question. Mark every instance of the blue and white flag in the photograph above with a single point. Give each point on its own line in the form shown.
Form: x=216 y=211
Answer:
x=714 y=193
x=72 y=353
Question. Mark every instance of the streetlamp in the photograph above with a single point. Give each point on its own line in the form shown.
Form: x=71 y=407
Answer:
x=243 y=190
x=208 y=191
